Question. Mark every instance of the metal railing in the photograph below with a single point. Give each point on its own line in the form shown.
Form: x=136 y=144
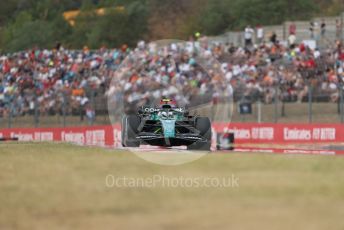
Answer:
x=312 y=107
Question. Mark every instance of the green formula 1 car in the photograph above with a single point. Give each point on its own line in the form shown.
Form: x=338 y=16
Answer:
x=166 y=126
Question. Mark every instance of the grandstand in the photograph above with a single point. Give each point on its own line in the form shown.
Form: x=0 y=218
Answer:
x=50 y=83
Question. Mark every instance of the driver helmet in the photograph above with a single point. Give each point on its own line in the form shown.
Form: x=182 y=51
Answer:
x=167 y=103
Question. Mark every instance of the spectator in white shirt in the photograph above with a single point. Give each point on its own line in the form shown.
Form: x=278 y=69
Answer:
x=248 y=36
x=260 y=34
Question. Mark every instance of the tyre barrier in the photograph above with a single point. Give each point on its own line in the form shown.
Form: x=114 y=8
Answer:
x=3 y=139
x=225 y=141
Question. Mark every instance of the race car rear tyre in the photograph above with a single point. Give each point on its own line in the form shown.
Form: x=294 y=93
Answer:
x=130 y=123
x=200 y=146
x=203 y=124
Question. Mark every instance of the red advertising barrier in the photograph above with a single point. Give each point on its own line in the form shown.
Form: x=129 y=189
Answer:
x=95 y=135
x=283 y=133
x=244 y=133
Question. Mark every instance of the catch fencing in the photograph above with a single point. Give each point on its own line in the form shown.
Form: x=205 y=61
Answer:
x=308 y=106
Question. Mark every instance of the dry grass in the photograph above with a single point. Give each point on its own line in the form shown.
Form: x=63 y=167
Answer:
x=60 y=186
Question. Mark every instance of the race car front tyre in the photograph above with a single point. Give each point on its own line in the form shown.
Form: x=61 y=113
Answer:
x=130 y=123
x=203 y=124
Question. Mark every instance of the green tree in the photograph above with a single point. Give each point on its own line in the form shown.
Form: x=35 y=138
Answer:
x=87 y=5
x=217 y=17
x=25 y=23
x=113 y=29
x=62 y=31
x=21 y=41
x=268 y=12
x=25 y=32
x=7 y=8
x=11 y=29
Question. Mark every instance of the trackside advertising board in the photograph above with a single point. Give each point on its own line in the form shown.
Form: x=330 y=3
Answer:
x=243 y=133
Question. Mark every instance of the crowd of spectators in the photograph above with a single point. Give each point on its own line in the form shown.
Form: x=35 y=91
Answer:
x=61 y=81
